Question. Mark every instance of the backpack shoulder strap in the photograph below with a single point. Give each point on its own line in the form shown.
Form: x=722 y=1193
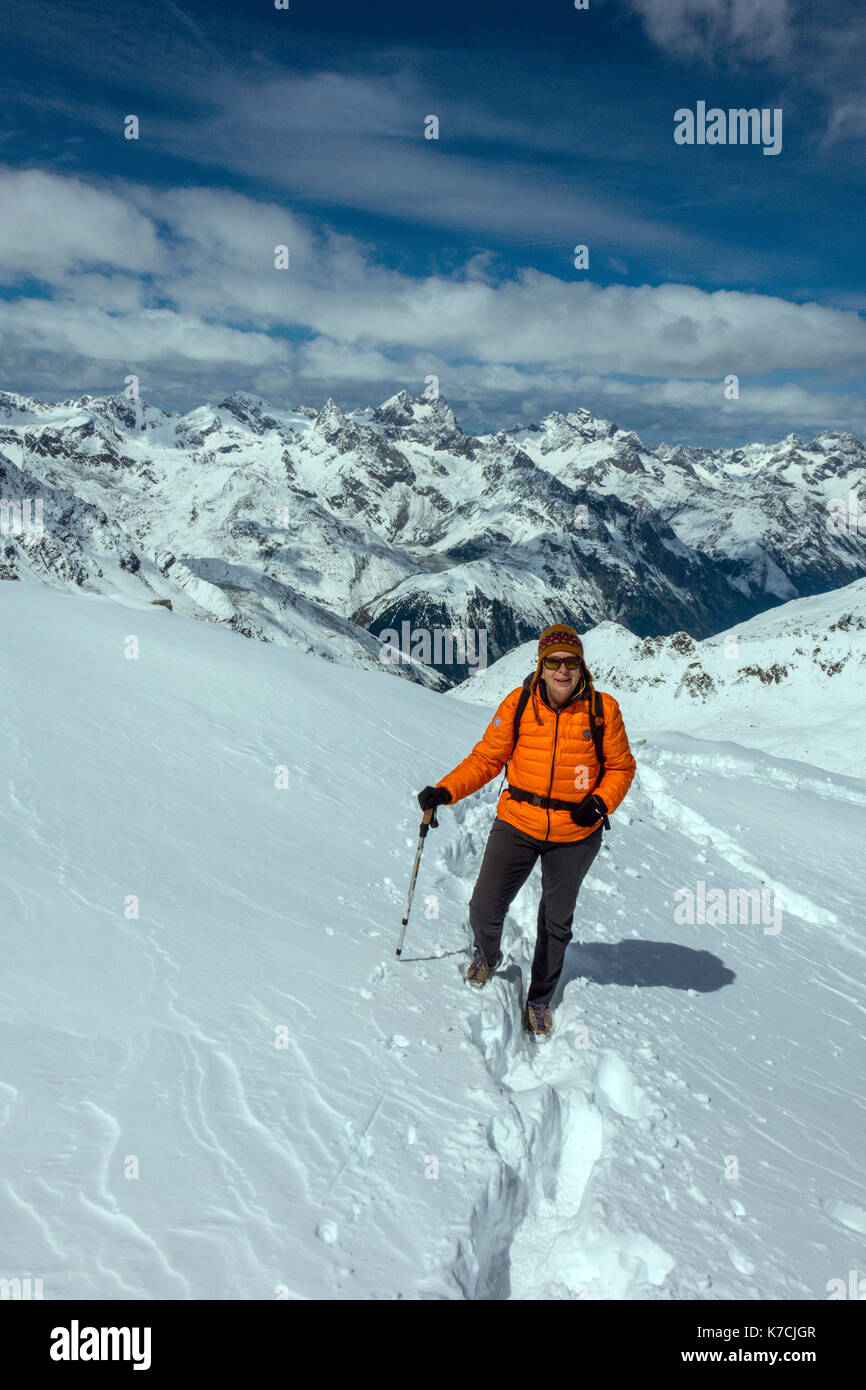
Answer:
x=596 y=727
x=518 y=715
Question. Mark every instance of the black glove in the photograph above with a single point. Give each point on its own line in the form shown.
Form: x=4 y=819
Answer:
x=590 y=810
x=433 y=796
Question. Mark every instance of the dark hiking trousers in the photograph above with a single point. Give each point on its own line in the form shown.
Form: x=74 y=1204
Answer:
x=508 y=860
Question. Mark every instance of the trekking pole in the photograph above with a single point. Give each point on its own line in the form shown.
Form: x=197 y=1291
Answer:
x=428 y=819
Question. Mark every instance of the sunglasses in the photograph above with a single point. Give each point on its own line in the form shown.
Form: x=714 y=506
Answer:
x=553 y=663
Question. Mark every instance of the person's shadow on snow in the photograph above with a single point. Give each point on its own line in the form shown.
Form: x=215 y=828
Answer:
x=646 y=964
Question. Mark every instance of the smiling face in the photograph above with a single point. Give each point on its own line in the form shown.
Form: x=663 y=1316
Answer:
x=561 y=684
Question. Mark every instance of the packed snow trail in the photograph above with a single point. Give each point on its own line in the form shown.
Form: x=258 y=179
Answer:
x=221 y=1083
x=702 y=1045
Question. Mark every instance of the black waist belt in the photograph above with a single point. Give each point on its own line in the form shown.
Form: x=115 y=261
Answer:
x=549 y=803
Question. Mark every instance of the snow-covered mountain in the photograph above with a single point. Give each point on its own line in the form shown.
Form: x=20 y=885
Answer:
x=219 y=1082
x=322 y=529
x=793 y=678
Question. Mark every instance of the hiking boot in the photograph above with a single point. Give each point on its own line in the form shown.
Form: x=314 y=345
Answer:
x=538 y=1018
x=479 y=971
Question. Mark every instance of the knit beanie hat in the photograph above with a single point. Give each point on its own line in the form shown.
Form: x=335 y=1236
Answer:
x=558 y=638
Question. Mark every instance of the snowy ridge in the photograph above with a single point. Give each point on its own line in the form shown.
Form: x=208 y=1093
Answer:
x=321 y=529
x=791 y=678
x=310 y=1114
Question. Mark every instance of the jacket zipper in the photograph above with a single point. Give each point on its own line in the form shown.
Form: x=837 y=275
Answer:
x=552 y=765
x=575 y=699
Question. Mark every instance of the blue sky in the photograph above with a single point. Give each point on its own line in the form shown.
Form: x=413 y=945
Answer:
x=452 y=258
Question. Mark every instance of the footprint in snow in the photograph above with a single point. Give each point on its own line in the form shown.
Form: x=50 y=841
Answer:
x=739 y=1261
x=851 y=1217
x=616 y=1089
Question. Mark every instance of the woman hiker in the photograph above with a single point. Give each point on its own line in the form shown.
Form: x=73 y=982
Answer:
x=570 y=766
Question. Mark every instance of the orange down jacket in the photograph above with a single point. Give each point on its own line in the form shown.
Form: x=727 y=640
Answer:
x=555 y=758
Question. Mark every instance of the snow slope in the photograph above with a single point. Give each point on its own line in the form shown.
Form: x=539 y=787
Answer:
x=406 y=1141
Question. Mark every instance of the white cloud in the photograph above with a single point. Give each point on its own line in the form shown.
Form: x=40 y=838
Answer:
x=215 y=229
x=53 y=225
x=640 y=330
x=754 y=30
x=820 y=49
x=151 y=335
x=196 y=298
